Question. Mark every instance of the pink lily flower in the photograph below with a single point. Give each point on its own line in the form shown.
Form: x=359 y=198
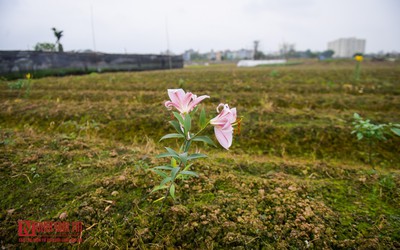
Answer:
x=223 y=125
x=183 y=102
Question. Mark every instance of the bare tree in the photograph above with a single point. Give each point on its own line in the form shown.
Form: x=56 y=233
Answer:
x=287 y=50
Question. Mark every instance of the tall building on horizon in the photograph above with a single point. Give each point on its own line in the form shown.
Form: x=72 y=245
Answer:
x=347 y=47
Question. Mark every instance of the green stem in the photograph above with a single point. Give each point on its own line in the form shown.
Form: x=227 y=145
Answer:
x=166 y=193
x=357 y=71
x=185 y=147
x=201 y=130
x=165 y=197
x=186 y=144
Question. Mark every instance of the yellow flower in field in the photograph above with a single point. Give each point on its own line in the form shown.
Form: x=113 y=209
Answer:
x=359 y=58
x=28 y=76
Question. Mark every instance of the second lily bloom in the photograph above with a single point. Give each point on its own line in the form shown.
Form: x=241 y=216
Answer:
x=223 y=125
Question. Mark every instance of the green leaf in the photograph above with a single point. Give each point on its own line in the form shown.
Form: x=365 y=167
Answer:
x=187 y=172
x=396 y=131
x=156 y=188
x=173 y=162
x=172 y=190
x=204 y=139
x=167 y=154
x=174 y=172
x=177 y=127
x=170 y=153
x=360 y=136
x=159 y=199
x=164 y=167
x=170 y=150
x=179 y=117
x=160 y=173
x=186 y=145
x=356 y=116
x=202 y=118
x=165 y=181
x=184 y=158
x=173 y=135
x=188 y=166
x=187 y=125
x=196 y=156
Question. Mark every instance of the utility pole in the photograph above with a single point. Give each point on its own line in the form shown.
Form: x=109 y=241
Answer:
x=255 y=49
x=167 y=36
x=92 y=24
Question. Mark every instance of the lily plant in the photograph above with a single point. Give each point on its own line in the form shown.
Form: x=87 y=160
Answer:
x=179 y=164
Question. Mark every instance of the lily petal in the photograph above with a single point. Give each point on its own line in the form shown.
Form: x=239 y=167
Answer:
x=224 y=136
x=223 y=125
x=170 y=104
x=183 y=102
x=176 y=95
x=196 y=101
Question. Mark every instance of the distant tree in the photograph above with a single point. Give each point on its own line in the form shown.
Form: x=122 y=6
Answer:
x=45 y=47
x=58 y=35
x=309 y=54
x=259 y=55
x=327 y=53
x=287 y=50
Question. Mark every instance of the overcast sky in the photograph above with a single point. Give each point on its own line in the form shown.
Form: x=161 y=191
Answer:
x=134 y=26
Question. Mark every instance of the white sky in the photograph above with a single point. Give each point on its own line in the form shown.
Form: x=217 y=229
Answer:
x=134 y=26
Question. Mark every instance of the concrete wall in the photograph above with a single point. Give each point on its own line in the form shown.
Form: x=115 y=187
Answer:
x=21 y=62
